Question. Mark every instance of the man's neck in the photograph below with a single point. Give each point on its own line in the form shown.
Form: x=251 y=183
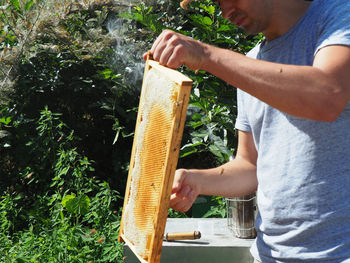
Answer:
x=287 y=14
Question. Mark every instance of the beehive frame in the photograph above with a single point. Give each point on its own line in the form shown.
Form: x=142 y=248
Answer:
x=158 y=192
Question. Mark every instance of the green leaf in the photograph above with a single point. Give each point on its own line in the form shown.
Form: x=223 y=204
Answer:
x=195 y=124
x=28 y=5
x=207 y=21
x=66 y=199
x=220 y=151
x=116 y=136
x=64 y=171
x=224 y=28
x=189 y=149
x=76 y=205
x=15 y=4
x=107 y=73
x=20 y=260
x=5 y=120
x=209 y=9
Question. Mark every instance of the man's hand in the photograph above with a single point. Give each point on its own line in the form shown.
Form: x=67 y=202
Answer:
x=185 y=190
x=174 y=50
x=234 y=178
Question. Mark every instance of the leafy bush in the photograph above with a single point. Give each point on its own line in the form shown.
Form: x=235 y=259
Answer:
x=56 y=204
x=58 y=213
x=65 y=60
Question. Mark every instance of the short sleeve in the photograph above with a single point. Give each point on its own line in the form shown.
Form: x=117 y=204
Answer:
x=242 y=122
x=335 y=21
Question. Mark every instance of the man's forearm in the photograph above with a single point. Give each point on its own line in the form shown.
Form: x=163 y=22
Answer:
x=235 y=178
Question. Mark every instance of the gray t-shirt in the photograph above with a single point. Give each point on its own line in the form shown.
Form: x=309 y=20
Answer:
x=303 y=166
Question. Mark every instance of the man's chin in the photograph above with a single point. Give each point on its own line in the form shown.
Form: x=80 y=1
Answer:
x=249 y=31
x=246 y=30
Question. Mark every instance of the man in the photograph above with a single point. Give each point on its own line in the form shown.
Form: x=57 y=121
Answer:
x=293 y=121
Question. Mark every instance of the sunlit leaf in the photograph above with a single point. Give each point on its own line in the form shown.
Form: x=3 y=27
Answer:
x=28 y=5
x=76 y=204
x=15 y=4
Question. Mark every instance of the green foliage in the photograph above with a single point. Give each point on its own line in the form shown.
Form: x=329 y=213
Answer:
x=176 y=214
x=48 y=215
x=76 y=204
x=145 y=16
x=217 y=208
x=55 y=203
x=63 y=54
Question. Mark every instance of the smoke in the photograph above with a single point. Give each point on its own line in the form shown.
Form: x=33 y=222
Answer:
x=128 y=51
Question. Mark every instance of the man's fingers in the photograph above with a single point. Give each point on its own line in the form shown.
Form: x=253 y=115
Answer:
x=184 y=202
x=173 y=50
x=156 y=42
x=187 y=202
x=178 y=180
x=174 y=200
x=184 y=192
x=180 y=204
x=160 y=44
x=173 y=59
x=164 y=58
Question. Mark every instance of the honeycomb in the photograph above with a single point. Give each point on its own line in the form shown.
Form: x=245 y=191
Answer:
x=155 y=118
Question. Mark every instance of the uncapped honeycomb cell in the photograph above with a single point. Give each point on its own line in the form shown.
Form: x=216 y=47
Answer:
x=149 y=165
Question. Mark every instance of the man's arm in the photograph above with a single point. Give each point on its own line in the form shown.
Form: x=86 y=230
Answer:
x=318 y=92
x=235 y=178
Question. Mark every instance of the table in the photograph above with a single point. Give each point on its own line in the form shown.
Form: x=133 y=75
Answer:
x=217 y=244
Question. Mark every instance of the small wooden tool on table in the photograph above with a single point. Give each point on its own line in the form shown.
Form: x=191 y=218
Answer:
x=190 y=235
